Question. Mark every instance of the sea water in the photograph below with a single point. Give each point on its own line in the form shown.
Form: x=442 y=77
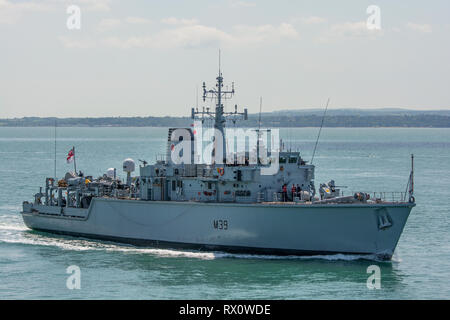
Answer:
x=33 y=265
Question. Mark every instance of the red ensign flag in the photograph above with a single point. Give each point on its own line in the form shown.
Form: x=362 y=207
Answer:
x=70 y=156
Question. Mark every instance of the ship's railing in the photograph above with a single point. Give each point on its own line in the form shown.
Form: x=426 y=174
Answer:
x=388 y=196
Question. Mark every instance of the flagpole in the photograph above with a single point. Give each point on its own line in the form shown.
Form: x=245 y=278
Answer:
x=74 y=161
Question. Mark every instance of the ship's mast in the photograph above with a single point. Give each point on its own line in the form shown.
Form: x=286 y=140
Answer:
x=219 y=116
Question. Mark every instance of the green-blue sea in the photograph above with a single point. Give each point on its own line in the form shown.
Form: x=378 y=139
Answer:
x=33 y=264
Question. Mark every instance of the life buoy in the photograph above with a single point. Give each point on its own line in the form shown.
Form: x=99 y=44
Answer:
x=221 y=171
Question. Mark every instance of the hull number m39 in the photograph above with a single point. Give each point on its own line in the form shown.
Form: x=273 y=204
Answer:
x=220 y=224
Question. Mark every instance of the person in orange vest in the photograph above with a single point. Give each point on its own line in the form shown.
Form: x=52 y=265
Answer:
x=284 y=193
x=293 y=190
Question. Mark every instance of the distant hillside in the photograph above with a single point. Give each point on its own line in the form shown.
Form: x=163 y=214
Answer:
x=421 y=120
x=285 y=118
x=364 y=112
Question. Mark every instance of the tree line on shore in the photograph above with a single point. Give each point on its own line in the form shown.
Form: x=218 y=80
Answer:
x=267 y=120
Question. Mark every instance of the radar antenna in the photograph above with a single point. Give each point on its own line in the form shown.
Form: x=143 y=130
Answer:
x=219 y=115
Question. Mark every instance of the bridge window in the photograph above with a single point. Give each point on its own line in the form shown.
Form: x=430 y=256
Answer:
x=282 y=160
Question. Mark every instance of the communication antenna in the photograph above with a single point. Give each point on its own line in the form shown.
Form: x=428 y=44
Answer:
x=410 y=184
x=320 y=130
x=290 y=138
x=74 y=160
x=196 y=102
x=55 y=152
x=260 y=110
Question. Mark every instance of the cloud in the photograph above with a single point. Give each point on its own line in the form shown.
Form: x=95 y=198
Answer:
x=242 y=4
x=186 y=36
x=313 y=20
x=353 y=29
x=89 y=5
x=266 y=33
x=193 y=36
x=174 y=21
x=70 y=42
x=13 y=11
x=349 y=30
x=421 y=28
x=108 y=24
x=137 y=20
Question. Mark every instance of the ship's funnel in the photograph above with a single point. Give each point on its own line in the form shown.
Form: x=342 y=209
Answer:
x=128 y=166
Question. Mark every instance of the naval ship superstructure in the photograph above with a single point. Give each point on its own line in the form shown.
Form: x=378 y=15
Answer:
x=235 y=201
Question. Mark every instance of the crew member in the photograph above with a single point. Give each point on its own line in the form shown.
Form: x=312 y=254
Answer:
x=284 y=192
x=293 y=190
x=299 y=190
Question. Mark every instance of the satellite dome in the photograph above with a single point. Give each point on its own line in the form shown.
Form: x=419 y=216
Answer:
x=128 y=165
x=110 y=172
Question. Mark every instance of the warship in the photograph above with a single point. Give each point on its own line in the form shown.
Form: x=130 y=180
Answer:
x=222 y=188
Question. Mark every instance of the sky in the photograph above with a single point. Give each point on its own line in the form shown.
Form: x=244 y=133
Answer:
x=150 y=58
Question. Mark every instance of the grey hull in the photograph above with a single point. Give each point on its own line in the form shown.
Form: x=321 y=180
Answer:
x=251 y=228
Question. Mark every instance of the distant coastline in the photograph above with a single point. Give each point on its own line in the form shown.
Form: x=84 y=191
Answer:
x=287 y=118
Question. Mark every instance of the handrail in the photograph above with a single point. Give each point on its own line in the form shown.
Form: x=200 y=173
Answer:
x=393 y=196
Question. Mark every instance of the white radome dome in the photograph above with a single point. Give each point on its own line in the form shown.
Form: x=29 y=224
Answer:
x=110 y=172
x=129 y=165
